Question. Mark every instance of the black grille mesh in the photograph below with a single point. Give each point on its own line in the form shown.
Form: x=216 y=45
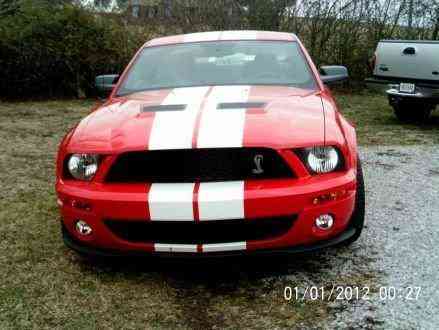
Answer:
x=197 y=165
x=221 y=231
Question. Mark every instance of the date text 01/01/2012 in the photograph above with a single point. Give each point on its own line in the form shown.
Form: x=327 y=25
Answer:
x=340 y=292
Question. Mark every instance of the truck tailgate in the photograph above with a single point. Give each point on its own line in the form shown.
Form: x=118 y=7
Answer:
x=408 y=59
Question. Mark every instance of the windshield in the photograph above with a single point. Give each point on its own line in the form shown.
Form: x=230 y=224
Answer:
x=219 y=63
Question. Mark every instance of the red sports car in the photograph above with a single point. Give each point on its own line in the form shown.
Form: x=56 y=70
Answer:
x=210 y=144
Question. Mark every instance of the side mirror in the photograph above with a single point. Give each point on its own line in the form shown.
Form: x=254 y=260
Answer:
x=333 y=74
x=105 y=83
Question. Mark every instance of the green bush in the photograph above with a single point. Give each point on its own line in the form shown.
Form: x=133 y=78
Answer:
x=52 y=51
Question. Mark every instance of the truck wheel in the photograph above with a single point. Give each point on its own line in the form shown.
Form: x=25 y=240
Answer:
x=412 y=112
x=357 y=218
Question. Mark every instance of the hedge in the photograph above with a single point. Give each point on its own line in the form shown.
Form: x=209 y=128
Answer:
x=52 y=51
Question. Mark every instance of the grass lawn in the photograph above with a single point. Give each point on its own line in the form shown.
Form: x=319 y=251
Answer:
x=376 y=123
x=43 y=285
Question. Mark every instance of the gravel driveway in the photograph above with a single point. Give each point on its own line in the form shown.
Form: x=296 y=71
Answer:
x=401 y=238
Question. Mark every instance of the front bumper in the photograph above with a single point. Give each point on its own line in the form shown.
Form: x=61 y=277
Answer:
x=72 y=243
x=428 y=92
x=96 y=202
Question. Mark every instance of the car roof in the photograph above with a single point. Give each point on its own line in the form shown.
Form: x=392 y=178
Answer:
x=222 y=35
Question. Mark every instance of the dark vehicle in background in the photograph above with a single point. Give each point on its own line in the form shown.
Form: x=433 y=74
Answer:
x=409 y=72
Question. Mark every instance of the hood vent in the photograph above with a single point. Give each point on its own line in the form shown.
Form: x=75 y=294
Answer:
x=166 y=107
x=240 y=105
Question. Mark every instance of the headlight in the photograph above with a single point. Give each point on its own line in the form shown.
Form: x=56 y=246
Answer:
x=83 y=166
x=322 y=159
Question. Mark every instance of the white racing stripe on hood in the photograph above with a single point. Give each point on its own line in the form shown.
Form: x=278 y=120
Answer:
x=221 y=200
x=223 y=128
x=174 y=129
x=171 y=201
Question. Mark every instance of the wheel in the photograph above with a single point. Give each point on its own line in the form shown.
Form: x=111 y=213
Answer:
x=412 y=112
x=357 y=218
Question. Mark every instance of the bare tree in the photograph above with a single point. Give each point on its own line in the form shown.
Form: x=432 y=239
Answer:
x=435 y=35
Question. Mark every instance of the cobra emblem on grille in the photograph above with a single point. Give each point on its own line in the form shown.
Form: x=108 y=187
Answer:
x=258 y=160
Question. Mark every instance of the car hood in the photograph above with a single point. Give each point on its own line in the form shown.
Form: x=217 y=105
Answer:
x=201 y=117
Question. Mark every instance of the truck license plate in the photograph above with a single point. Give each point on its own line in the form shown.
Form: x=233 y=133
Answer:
x=407 y=88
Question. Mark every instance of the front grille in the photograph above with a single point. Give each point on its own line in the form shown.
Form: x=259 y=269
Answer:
x=221 y=231
x=199 y=165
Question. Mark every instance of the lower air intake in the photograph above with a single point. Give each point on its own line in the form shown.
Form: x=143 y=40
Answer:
x=221 y=231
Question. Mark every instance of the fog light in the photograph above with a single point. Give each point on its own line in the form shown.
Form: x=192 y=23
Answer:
x=325 y=221
x=83 y=228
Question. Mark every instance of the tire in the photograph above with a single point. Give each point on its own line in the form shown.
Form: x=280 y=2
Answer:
x=412 y=112
x=357 y=218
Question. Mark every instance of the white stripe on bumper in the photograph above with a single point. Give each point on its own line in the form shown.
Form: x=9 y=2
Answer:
x=171 y=201
x=235 y=246
x=175 y=247
x=175 y=129
x=221 y=200
x=223 y=128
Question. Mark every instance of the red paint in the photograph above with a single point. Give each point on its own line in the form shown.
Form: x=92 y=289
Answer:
x=195 y=202
x=291 y=118
x=148 y=213
x=198 y=120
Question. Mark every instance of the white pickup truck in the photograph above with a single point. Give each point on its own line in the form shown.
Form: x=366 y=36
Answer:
x=410 y=72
